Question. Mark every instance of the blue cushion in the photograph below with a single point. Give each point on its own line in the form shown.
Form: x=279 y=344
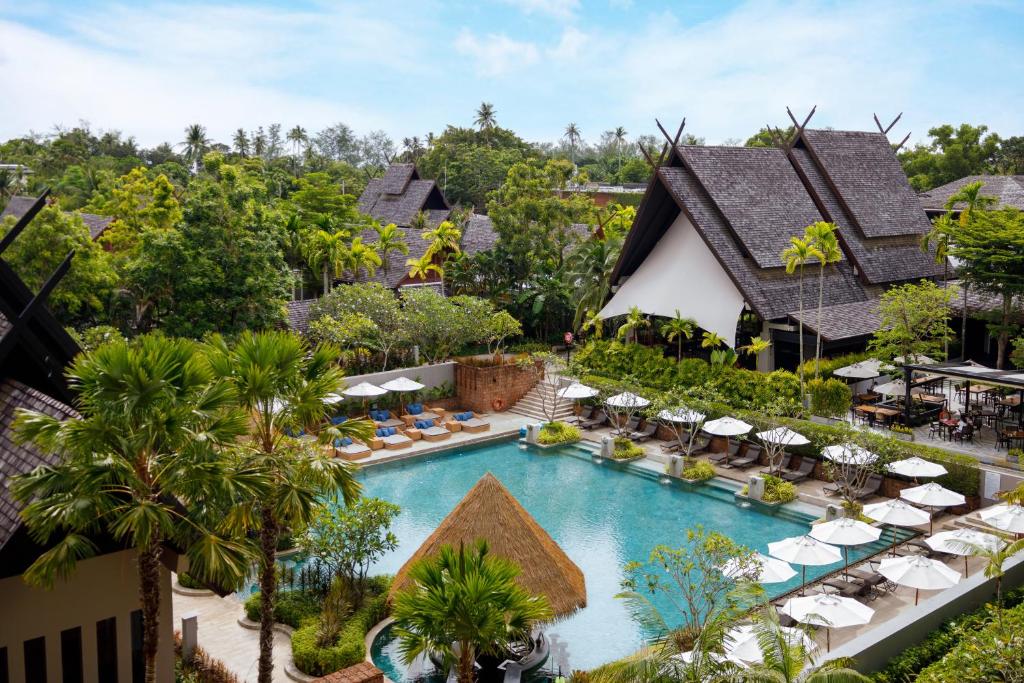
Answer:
x=344 y=441
x=424 y=424
x=381 y=431
x=338 y=419
x=468 y=415
x=415 y=408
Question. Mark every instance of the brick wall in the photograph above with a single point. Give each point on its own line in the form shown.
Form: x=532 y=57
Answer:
x=363 y=672
x=479 y=387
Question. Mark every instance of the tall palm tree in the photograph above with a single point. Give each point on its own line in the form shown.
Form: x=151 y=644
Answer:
x=420 y=222
x=298 y=137
x=823 y=236
x=635 y=319
x=572 y=134
x=195 y=144
x=421 y=268
x=795 y=256
x=328 y=253
x=676 y=329
x=389 y=239
x=469 y=598
x=281 y=383
x=142 y=460
x=619 y=134
x=444 y=239
x=994 y=561
x=786 y=659
x=362 y=257
x=486 y=120
x=940 y=236
x=241 y=142
x=11 y=181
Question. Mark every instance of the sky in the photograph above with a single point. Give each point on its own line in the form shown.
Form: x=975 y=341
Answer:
x=150 y=69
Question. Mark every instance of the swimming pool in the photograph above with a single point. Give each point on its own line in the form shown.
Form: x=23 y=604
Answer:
x=601 y=514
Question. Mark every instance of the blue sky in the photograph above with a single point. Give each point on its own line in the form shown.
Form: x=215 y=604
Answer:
x=150 y=69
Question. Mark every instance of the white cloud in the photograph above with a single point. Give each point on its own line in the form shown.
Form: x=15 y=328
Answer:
x=570 y=45
x=559 y=9
x=495 y=54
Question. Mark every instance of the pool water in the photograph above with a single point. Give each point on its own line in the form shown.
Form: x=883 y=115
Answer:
x=602 y=515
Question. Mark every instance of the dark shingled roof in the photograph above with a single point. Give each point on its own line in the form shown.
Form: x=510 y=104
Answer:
x=298 y=314
x=400 y=195
x=17 y=458
x=843 y=321
x=397 y=177
x=17 y=206
x=1007 y=189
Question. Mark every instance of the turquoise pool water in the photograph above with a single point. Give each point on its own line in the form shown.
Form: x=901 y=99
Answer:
x=602 y=516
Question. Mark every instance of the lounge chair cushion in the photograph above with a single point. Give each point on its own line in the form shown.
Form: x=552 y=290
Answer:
x=386 y=431
x=338 y=419
x=395 y=439
x=434 y=430
x=424 y=424
x=474 y=422
x=414 y=408
x=343 y=441
x=461 y=417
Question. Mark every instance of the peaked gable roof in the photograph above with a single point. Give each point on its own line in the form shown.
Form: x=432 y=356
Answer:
x=401 y=194
x=1007 y=189
x=19 y=206
x=491 y=513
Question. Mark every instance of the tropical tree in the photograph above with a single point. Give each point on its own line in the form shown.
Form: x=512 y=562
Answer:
x=589 y=270
x=635 y=319
x=240 y=140
x=298 y=137
x=282 y=384
x=676 y=329
x=711 y=340
x=795 y=256
x=757 y=345
x=143 y=460
x=823 y=236
x=421 y=268
x=444 y=239
x=195 y=144
x=995 y=558
x=573 y=136
x=593 y=323
x=940 y=237
x=914 y=321
x=362 y=257
x=619 y=135
x=972 y=199
x=485 y=118
x=389 y=239
x=328 y=253
x=468 y=598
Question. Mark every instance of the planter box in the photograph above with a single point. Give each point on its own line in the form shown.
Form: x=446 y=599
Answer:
x=555 y=445
x=622 y=461
x=770 y=508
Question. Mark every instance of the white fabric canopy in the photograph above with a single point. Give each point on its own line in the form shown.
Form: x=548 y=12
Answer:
x=916 y=467
x=805 y=550
x=681 y=415
x=727 y=426
x=917 y=571
x=627 y=399
x=865 y=369
x=576 y=391
x=681 y=274
x=932 y=495
x=828 y=610
x=849 y=454
x=741 y=642
x=769 y=569
x=896 y=512
x=962 y=541
x=845 y=531
x=784 y=436
x=402 y=384
x=365 y=390
x=1005 y=517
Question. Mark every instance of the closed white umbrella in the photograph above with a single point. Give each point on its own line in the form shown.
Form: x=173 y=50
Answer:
x=962 y=542
x=681 y=415
x=577 y=391
x=741 y=642
x=915 y=467
x=627 y=399
x=1005 y=517
x=918 y=572
x=865 y=369
x=896 y=512
x=805 y=551
x=916 y=359
x=849 y=454
x=765 y=569
x=830 y=611
x=784 y=436
x=845 y=531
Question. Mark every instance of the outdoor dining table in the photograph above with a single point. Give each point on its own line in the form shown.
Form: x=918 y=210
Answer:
x=950 y=424
x=1010 y=400
x=869 y=397
x=932 y=398
x=881 y=412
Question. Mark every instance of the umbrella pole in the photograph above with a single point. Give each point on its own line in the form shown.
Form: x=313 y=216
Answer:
x=846 y=562
x=894 y=540
x=803 y=579
x=965 y=566
x=917 y=595
x=828 y=639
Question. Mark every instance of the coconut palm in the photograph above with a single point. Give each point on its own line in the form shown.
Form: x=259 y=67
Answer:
x=421 y=268
x=635 y=319
x=195 y=145
x=143 y=460
x=572 y=135
x=619 y=135
x=823 y=236
x=972 y=199
x=298 y=137
x=389 y=239
x=786 y=661
x=362 y=256
x=281 y=383
x=328 y=253
x=676 y=329
x=940 y=237
x=485 y=117
x=463 y=603
x=241 y=142
x=795 y=256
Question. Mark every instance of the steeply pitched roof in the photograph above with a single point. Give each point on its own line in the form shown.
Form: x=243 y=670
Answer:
x=400 y=195
x=842 y=321
x=491 y=513
x=17 y=206
x=1007 y=189
x=298 y=314
x=17 y=458
x=397 y=177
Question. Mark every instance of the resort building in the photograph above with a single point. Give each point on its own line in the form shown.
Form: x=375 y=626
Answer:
x=708 y=239
x=89 y=627
x=1008 y=191
x=19 y=206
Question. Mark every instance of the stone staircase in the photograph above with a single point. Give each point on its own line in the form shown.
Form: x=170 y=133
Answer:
x=532 y=404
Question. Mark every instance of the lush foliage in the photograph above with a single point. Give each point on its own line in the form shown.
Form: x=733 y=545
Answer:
x=953 y=153
x=624 y=449
x=778 y=490
x=346 y=649
x=829 y=397
x=914 y=321
x=698 y=470
x=994 y=652
x=292 y=607
x=558 y=432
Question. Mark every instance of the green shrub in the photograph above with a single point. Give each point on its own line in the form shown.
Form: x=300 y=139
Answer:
x=994 y=652
x=829 y=365
x=291 y=607
x=626 y=449
x=186 y=581
x=778 y=490
x=350 y=647
x=558 y=432
x=700 y=470
x=829 y=397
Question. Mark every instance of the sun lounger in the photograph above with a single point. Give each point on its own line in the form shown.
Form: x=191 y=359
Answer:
x=347 y=449
x=749 y=458
x=599 y=418
x=467 y=421
x=630 y=426
x=849 y=589
x=644 y=434
x=396 y=442
x=417 y=411
x=870 y=488
x=671 y=447
x=390 y=438
x=783 y=464
x=584 y=414
x=384 y=418
x=435 y=433
x=802 y=472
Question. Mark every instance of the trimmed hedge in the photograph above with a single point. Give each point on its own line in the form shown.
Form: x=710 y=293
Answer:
x=291 y=607
x=350 y=649
x=994 y=652
x=626 y=449
x=700 y=470
x=558 y=432
x=830 y=365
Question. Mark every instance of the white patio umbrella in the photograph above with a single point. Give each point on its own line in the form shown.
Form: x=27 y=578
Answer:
x=1004 y=517
x=895 y=512
x=715 y=658
x=865 y=369
x=932 y=495
x=627 y=399
x=741 y=642
x=830 y=611
x=577 y=391
x=915 y=467
x=894 y=388
x=845 y=531
x=916 y=359
x=784 y=436
x=769 y=569
x=365 y=391
x=849 y=454
x=805 y=551
x=962 y=542
x=918 y=572
x=681 y=415
x=402 y=385
x=726 y=426
x=331 y=399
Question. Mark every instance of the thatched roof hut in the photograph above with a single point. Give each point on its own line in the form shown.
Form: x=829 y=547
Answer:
x=491 y=513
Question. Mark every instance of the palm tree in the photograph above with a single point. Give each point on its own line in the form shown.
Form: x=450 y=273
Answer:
x=195 y=145
x=241 y=142
x=635 y=319
x=297 y=136
x=281 y=383
x=757 y=345
x=711 y=340
x=10 y=182
x=444 y=239
x=389 y=239
x=421 y=268
x=676 y=329
x=786 y=659
x=486 y=120
x=467 y=598
x=592 y=322
x=994 y=561
x=328 y=253
x=420 y=221
x=362 y=256
x=572 y=134
x=619 y=134
x=823 y=236
x=589 y=272
x=940 y=236
x=798 y=253
x=141 y=461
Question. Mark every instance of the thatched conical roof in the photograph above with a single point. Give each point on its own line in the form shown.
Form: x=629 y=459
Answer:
x=491 y=513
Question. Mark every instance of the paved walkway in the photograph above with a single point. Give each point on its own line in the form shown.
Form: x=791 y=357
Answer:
x=222 y=637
